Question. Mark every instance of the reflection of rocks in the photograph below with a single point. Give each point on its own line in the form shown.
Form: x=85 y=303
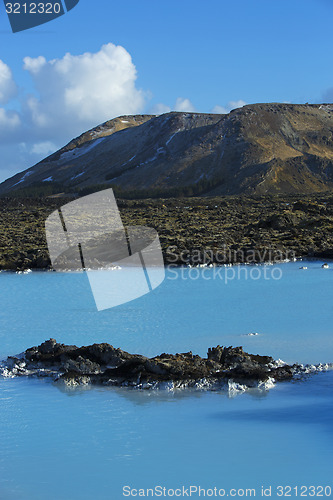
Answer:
x=229 y=367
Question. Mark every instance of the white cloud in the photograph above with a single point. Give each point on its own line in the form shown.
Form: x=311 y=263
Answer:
x=34 y=64
x=43 y=148
x=159 y=109
x=80 y=91
x=184 y=105
x=9 y=121
x=71 y=94
x=223 y=110
x=236 y=104
x=220 y=110
x=8 y=87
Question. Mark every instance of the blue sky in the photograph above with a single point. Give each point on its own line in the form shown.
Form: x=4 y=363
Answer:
x=154 y=56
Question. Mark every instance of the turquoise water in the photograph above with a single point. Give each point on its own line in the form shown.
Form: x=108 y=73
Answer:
x=89 y=443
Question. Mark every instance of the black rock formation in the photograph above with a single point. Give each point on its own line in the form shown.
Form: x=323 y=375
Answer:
x=107 y=365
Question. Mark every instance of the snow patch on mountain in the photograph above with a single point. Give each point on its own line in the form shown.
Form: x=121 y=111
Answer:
x=160 y=151
x=23 y=178
x=326 y=107
x=173 y=135
x=77 y=175
x=77 y=152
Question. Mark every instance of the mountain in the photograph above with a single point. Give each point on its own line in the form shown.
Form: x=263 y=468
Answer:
x=258 y=149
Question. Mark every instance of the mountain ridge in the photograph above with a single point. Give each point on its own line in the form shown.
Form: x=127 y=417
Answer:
x=257 y=149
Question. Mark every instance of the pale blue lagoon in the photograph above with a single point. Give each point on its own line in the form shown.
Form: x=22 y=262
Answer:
x=61 y=444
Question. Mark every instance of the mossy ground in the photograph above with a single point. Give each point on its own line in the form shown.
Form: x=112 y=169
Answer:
x=190 y=229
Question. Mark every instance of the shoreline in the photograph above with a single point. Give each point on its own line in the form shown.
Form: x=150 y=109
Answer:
x=172 y=266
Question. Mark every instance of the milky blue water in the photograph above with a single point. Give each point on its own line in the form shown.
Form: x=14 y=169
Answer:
x=62 y=444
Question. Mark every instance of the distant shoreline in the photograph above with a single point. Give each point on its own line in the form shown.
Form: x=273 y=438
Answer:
x=192 y=231
x=300 y=260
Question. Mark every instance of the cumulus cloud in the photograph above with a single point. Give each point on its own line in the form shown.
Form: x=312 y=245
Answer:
x=8 y=87
x=77 y=92
x=184 y=105
x=43 y=148
x=70 y=95
x=223 y=110
x=159 y=109
x=9 y=121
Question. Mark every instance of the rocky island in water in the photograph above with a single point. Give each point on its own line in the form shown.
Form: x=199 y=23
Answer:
x=103 y=364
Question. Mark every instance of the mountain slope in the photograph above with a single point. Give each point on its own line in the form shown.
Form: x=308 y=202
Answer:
x=257 y=149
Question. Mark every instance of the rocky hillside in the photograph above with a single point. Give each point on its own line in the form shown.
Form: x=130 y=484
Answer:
x=257 y=149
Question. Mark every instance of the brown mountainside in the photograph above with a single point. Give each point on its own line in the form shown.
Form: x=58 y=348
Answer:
x=257 y=149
